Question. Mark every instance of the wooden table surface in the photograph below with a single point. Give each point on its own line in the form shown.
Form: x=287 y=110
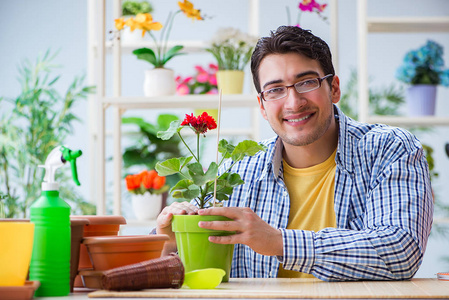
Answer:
x=277 y=288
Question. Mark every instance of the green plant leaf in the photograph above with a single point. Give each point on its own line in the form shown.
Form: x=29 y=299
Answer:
x=185 y=189
x=198 y=175
x=164 y=121
x=225 y=148
x=172 y=165
x=226 y=184
x=172 y=52
x=147 y=55
x=246 y=148
x=173 y=129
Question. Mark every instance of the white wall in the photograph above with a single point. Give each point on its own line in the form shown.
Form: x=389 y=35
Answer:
x=31 y=27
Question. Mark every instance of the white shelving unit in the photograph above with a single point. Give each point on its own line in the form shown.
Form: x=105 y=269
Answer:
x=368 y=25
x=119 y=104
x=98 y=49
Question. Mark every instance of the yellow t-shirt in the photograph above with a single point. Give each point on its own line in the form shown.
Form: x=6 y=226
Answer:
x=311 y=193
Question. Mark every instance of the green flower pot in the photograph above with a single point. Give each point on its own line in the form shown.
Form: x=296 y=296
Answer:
x=194 y=248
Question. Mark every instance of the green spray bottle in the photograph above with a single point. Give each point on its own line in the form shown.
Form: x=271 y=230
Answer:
x=50 y=261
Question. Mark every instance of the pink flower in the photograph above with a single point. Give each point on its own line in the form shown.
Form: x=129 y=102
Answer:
x=200 y=69
x=213 y=68
x=182 y=89
x=202 y=77
x=212 y=91
x=213 y=79
x=306 y=5
x=310 y=5
x=187 y=79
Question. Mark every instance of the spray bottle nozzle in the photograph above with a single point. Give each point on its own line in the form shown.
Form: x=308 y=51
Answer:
x=57 y=158
x=71 y=156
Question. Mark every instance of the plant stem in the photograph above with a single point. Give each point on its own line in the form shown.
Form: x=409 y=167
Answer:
x=188 y=148
x=164 y=39
x=198 y=146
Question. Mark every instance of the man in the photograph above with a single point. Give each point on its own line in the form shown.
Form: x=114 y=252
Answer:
x=331 y=197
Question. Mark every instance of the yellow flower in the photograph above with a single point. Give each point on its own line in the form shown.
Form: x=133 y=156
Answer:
x=132 y=24
x=188 y=9
x=145 y=23
x=119 y=23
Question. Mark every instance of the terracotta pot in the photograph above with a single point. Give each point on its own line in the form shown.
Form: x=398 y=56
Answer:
x=112 y=252
x=76 y=236
x=98 y=226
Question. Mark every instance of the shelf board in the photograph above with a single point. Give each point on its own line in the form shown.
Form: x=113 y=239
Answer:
x=408 y=24
x=223 y=132
x=190 y=46
x=187 y=101
x=410 y=121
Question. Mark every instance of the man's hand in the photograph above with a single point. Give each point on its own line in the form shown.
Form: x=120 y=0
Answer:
x=164 y=222
x=250 y=230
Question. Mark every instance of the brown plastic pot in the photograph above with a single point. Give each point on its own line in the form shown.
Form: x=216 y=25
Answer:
x=77 y=230
x=98 y=226
x=92 y=279
x=112 y=252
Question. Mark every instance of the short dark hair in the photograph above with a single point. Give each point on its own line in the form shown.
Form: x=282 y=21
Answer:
x=291 y=39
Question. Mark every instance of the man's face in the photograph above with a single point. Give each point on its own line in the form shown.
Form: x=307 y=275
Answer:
x=299 y=119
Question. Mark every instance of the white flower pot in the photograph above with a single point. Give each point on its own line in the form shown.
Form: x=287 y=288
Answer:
x=159 y=82
x=421 y=99
x=146 y=206
x=131 y=38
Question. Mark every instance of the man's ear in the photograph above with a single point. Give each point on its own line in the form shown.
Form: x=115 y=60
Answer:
x=262 y=108
x=335 y=92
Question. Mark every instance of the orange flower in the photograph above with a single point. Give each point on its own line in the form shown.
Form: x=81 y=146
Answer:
x=132 y=182
x=159 y=182
x=188 y=9
x=148 y=179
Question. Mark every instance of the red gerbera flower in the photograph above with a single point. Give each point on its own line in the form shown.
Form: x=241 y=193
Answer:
x=201 y=123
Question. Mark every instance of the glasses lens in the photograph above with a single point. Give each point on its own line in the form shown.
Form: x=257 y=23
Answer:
x=307 y=85
x=275 y=93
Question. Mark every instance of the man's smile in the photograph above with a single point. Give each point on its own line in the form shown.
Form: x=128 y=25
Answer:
x=296 y=119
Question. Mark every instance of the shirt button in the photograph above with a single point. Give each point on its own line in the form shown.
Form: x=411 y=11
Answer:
x=285 y=193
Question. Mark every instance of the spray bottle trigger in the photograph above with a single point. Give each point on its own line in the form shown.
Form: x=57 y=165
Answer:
x=69 y=155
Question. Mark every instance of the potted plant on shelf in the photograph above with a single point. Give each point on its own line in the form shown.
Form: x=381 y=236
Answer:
x=232 y=49
x=423 y=69
x=160 y=80
x=146 y=188
x=131 y=8
x=206 y=188
x=203 y=82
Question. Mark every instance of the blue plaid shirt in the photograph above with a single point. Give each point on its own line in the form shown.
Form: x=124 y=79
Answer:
x=383 y=205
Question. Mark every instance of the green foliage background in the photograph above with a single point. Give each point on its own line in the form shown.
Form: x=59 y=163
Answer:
x=31 y=125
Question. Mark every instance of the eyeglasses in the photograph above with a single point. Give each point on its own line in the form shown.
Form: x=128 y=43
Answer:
x=300 y=87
